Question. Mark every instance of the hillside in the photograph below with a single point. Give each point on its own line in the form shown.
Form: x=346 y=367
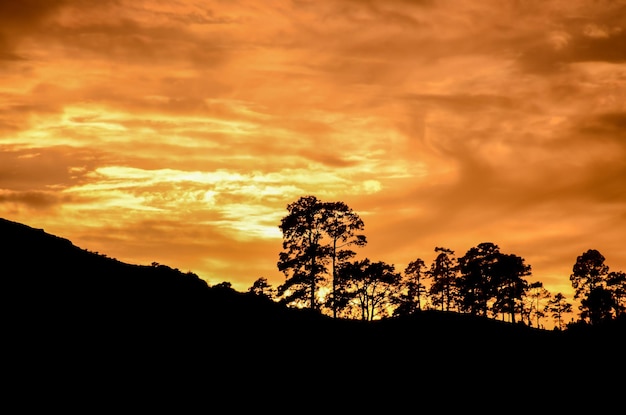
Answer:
x=49 y=277
x=71 y=310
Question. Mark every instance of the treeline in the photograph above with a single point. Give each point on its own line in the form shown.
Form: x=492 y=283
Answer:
x=322 y=273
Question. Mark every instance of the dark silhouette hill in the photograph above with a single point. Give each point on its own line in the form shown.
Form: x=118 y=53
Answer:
x=82 y=315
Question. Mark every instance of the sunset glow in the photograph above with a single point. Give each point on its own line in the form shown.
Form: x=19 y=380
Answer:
x=178 y=131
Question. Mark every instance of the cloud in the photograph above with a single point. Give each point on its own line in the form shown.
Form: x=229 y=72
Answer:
x=580 y=32
x=32 y=200
x=44 y=168
x=610 y=125
x=179 y=131
x=23 y=19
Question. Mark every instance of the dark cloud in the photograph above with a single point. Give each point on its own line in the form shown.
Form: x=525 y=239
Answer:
x=19 y=19
x=27 y=14
x=608 y=125
x=200 y=16
x=128 y=41
x=463 y=103
x=593 y=34
x=107 y=29
x=37 y=200
x=599 y=49
x=17 y=115
x=329 y=159
x=604 y=136
x=44 y=168
x=544 y=57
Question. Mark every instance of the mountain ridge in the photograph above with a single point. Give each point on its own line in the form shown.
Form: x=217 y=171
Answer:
x=68 y=310
x=43 y=265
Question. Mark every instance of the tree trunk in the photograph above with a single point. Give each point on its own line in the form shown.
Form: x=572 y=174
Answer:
x=313 y=282
x=334 y=289
x=312 y=271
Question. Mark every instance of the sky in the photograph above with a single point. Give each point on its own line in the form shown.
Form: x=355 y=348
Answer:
x=178 y=132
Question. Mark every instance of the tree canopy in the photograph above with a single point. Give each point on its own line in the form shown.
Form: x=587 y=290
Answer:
x=321 y=273
x=316 y=234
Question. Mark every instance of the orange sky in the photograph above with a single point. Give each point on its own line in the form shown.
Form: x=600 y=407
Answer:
x=178 y=131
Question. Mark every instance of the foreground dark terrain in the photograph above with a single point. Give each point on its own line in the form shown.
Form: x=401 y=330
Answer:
x=79 y=317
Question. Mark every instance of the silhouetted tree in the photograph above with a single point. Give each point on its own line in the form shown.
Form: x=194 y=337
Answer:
x=558 y=306
x=443 y=272
x=316 y=233
x=262 y=288
x=224 y=285
x=341 y=226
x=476 y=283
x=598 y=306
x=616 y=282
x=408 y=299
x=589 y=279
x=492 y=281
x=537 y=292
x=507 y=275
x=304 y=255
x=369 y=286
x=588 y=272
